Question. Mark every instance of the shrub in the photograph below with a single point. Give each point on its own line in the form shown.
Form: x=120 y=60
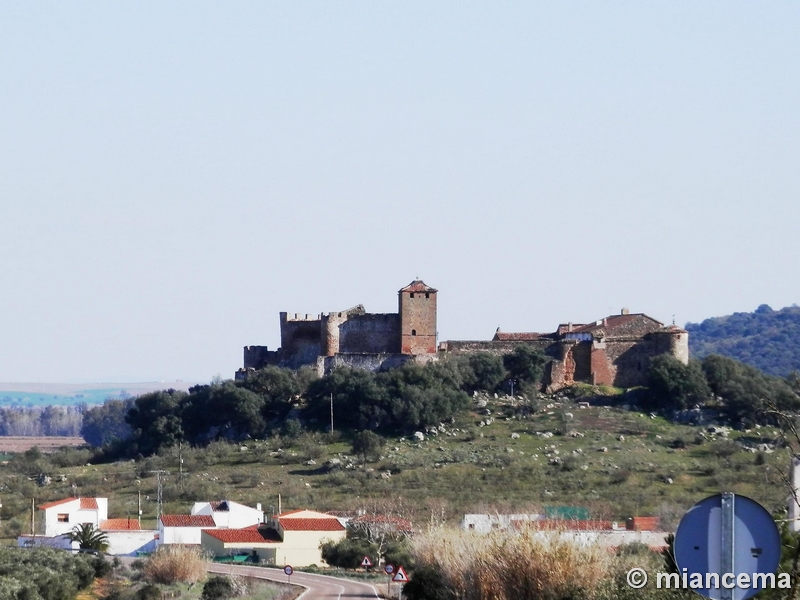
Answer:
x=173 y=564
x=508 y=567
x=217 y=588
x=149 y=592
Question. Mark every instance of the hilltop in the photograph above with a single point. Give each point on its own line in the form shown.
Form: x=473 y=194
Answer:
x=765 y=338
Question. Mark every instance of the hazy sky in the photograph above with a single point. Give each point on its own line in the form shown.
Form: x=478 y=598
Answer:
x=172 y=175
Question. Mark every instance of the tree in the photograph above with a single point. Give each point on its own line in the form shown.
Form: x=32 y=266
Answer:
x=368 y=445
x=348 y=553
x=278 y=387
x=483 y=371
x=155 y=419
x=747 y=394
x=222 y=410
x=674 y=385
x=526 y=364
x=89 y=538
x=428 y=583
x=106 y=423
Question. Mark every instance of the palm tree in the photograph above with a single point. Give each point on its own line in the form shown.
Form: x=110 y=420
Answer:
x=89 y=538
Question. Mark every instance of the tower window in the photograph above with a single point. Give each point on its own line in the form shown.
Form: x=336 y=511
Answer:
x=427 y=295
x=413 y=332
x=412 y=294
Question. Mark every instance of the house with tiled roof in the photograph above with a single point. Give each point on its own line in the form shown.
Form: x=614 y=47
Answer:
x=61 y=516
x=227 y=513
x=292 y=537
x=183 y=529
x=56 y=519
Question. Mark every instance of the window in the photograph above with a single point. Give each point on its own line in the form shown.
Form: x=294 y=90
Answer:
x=413 y=332
x=412 y=294
x=63 y=518
x=427 y=295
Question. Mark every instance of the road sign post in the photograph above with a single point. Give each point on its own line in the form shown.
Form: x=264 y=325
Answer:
x=401 y=578
x=288 y=570
x=388 y=569
x=366 y=562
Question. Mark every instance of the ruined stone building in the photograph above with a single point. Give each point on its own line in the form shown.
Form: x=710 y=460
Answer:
x=354 y=337
x=615 y=350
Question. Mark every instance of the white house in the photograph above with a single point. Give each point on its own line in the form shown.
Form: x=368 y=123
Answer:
x=227 y=513
x=183 y=529
x=292 y=537
x=486 y=522
x=56 y=519
x=127 y=538
x=61 y=516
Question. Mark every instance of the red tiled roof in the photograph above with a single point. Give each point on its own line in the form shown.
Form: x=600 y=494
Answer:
x=566 y=525
x=252 y=534
x=396 y=522
x=331 y=524
x=120 y=525
x=56 y=503
x=86 y=503
x=612 y=322
x=188 y=521
x=418 y=286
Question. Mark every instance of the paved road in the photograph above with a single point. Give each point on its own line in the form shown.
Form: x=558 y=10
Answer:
x=318 y=587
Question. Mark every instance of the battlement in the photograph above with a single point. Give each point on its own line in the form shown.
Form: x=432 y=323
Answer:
x=295 y=317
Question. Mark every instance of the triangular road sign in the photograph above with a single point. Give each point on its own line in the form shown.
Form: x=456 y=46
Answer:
x=366 y=562
x=400 y=576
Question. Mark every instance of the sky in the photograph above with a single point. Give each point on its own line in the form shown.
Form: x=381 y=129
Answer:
x=172 y=175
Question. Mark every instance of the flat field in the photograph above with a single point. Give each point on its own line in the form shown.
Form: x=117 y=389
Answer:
x=44 y=443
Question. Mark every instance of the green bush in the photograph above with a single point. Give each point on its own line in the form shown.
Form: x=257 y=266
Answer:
x=217 y=588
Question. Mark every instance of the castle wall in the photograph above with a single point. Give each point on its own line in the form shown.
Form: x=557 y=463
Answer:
x=300 y=339
x=368 y=362
x=370 y=333
x=257 y=357
x=602 y=371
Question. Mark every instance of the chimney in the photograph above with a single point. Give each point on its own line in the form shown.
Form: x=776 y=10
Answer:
x=569 y=326
x=625 y=311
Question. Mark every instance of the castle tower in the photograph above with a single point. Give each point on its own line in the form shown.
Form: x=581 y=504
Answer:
x=417 y=318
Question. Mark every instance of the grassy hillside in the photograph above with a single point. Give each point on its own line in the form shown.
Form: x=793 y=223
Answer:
x=766 y=339
x=615 y=461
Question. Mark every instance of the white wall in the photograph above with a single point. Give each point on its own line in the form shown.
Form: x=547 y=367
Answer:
x=128 y=543
x=178 y=535
x=237 y=516
x=52 y=526
x=60 y=542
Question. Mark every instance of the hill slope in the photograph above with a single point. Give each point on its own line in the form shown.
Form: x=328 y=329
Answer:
x=766 y=339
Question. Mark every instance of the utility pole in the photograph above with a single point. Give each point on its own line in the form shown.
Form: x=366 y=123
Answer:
x=33 y=517
x=180 y=463
x=139 y=505
x=160 y=493
x=331 y=412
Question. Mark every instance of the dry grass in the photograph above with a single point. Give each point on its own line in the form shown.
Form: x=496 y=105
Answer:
x=173 y=564
x=510 y=566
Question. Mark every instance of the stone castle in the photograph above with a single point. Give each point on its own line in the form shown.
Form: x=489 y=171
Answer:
x=615 y=350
